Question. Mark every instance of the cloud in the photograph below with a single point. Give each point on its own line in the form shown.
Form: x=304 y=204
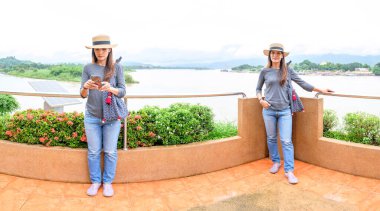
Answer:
x=188 y=30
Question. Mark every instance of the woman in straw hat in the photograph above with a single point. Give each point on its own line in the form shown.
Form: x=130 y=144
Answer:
x=276 y=107
x=96 y=78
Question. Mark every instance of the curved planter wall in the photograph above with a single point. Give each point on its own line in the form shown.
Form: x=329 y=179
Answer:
x=143 y=164
x=157 y=163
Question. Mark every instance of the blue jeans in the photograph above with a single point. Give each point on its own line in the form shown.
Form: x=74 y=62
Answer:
x=100 y=136
x=282 y=120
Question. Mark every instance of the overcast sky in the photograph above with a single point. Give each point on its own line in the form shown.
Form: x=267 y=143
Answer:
x=164 y=31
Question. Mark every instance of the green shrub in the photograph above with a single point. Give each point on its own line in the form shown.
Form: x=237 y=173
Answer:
x=330 y=120
x=180 y=123
x=359 y=127
x=340 y=135
x=183 y=123
x=362 y=128
x=129 y=79
x=222 y=130
x=376 y=69
x=7 y=104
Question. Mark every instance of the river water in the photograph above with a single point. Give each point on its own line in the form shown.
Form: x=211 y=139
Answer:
x=163 y=81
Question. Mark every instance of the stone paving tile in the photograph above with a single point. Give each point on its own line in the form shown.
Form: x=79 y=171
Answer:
x=377 y=189
x=219 y=177
x=3 y=184
x=6 y=179
x=11 y=199
x=117 y=202
x=262 y=165
x=199 y=181
x=149 y=203
x=372 y=202
x=82 y=204
x=51 y=189
x=75 y=190
x=238 y=187
x=140 y=189
x=24 y=185
x=350 y=195
x=257 y=181
x=169 y=186
x=213 y=194
x=360 y=183
x=245 y=187
x=182 y=200
x=38 y=202
x=242 y=171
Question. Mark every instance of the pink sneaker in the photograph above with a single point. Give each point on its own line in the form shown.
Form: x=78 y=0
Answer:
x=275 y=168
x=107 y=190
x=93 y=189
x=291 y=178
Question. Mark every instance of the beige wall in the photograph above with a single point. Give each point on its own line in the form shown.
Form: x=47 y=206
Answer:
x=156 y=163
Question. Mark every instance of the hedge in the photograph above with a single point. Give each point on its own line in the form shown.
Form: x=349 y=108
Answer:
x=180 y=123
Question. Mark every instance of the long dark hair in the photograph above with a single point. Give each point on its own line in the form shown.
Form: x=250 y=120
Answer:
x=283 y=68
x=110 y=66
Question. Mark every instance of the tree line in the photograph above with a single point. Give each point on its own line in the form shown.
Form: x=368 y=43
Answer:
x=308 y=66
x=247 y=67
x=64 y=72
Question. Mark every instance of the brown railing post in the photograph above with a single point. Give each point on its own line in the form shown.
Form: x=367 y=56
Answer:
x=125 y=147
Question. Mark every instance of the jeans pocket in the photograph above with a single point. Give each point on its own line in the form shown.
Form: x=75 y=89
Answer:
x=88 y=118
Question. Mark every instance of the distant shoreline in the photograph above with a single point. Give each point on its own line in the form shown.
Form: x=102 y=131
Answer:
x=338 y=73
x=321 y=73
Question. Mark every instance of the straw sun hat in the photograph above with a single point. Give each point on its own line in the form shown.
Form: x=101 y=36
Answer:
x=101 y=41
x=275 y=47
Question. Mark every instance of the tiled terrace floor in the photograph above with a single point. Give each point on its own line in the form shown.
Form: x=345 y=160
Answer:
x=246 y=187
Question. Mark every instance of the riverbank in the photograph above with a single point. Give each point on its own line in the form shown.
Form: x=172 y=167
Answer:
x=337 y=73
x=318 y=73
x=65 y=76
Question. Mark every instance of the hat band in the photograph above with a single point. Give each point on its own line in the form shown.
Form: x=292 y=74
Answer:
x=101 y=43
x=276 y=49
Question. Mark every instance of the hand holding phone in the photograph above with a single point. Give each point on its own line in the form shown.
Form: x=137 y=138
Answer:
x=97 y=79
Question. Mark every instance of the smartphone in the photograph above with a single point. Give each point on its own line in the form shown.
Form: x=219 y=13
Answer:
x=97 y=79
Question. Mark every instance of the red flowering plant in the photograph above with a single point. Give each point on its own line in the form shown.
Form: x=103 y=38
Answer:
x=49 y=128
x=4 y=119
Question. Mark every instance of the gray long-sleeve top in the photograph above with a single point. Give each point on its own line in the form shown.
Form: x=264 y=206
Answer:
x=94 y=102
x=275 y=94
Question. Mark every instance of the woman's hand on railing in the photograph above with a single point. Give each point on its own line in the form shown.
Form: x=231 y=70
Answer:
x=323 y=91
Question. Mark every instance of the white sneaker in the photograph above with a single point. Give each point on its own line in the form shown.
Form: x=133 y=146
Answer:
x=107 y=190
x=291 y=178
x=275 y=168
x=93 y=189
